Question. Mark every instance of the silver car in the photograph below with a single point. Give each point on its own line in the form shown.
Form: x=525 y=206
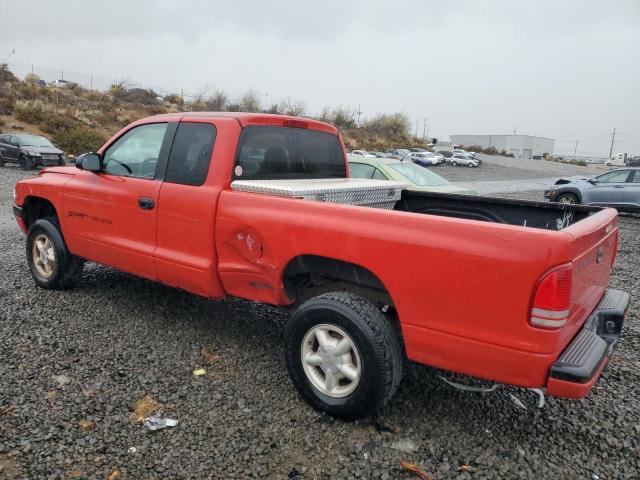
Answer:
x=463 y=159
x=618 y=188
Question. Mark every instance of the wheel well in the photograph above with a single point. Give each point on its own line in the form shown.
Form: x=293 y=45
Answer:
x=307 y=276
x=36 y=208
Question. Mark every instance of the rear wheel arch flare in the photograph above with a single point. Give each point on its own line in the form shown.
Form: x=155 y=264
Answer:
x=304 y=270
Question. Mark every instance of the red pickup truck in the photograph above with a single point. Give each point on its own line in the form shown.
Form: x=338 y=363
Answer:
x=217 y=204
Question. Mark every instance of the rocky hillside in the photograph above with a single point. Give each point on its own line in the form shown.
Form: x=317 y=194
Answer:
x=78 y=120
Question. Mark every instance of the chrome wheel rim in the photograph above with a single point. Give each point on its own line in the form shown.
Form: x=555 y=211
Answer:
x=567 y=199
x=44 y=257
x=331 y=361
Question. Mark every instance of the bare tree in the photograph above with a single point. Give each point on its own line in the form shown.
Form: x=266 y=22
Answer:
x=218 y=101
x=250 y=102
x=293 y=107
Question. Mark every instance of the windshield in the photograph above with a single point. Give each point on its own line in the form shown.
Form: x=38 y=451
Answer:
x=418 y=175
x=34 y=141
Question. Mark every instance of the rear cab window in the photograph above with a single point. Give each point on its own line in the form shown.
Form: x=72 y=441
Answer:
x=274 y=153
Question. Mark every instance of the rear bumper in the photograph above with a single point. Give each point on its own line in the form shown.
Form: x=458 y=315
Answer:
x=579 y=366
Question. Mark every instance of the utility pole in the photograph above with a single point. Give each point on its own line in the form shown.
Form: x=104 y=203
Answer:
x=575 y=150
x=62 y=75
x=514 y=130
x=359 y=113
x=424 y=129
x=613 y=137
x=417 y=123
x=91 y=83
x=266 y=105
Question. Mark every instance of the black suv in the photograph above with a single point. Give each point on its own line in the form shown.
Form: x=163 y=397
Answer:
x=29 y=151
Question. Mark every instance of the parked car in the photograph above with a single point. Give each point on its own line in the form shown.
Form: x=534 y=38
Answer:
x=29 y=151
x=362 y=153
x=618 y=188
x=379 y=154
x=473 y=155
x=418 y=149
x=59 y=83
x=371 y=286
x=462 y=159
x=418 y=179
x=424 y=159
x=445 y=153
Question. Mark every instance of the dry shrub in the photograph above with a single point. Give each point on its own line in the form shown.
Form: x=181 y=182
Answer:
x=79 y=139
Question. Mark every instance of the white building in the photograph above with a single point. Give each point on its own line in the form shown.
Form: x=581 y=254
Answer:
x=522 y=146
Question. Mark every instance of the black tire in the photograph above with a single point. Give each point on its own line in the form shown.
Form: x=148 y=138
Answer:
x=454 y=163
x=25 y=162
x=379 y=350
x=67 y=269
x=569 y=198
x=1 y=160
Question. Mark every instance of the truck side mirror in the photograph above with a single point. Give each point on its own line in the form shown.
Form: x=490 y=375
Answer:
x=89 y=161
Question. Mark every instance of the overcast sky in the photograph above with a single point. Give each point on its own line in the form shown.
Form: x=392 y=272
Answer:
x=568 y=70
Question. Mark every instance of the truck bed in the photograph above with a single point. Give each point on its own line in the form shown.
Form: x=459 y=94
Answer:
x=525 y=213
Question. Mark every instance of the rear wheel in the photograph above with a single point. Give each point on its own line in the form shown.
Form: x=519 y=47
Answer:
x=343 y=355
x=568 y=198
x=1 y=160
x=454 y=163
x=52 y=265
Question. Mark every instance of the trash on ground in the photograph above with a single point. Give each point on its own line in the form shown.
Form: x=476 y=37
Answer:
x=145 y=407
x=132 y=450
x=466 y=468
x=86 y=425
x=468 y=388
x=113 y=475
x=404 y=445
x=198 y=372
x=517 y=401
x=7 y=409
x=540 y=393
x=61 y=380
x=74 y=473
x=413 y=468
x=156 y=422
x=209 y=357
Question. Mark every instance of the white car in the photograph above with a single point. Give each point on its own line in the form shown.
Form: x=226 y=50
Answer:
x=362 y=153
x=460 y=150
x=462 y=159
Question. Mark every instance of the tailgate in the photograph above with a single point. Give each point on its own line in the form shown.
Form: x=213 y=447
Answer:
x=594 y=248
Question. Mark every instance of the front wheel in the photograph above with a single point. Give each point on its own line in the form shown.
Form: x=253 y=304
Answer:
x=471 y=165
x=343 y=355
x=569 y=198
x=25 y=162
x=52 y=265
x=454 y=163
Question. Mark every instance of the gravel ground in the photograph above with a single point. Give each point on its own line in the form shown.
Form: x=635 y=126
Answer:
x=117 y=338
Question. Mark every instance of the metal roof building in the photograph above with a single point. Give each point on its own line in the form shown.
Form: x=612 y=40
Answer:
x=522 y=146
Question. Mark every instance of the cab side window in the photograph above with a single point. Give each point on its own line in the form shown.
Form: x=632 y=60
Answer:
x=135 y=154
x=191 y=154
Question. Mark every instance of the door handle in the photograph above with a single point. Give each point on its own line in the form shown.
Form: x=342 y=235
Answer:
x=146 y=203
x=618 y=186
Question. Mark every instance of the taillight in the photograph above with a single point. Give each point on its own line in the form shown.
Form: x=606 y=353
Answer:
x=552 y=300
x=616 y=243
